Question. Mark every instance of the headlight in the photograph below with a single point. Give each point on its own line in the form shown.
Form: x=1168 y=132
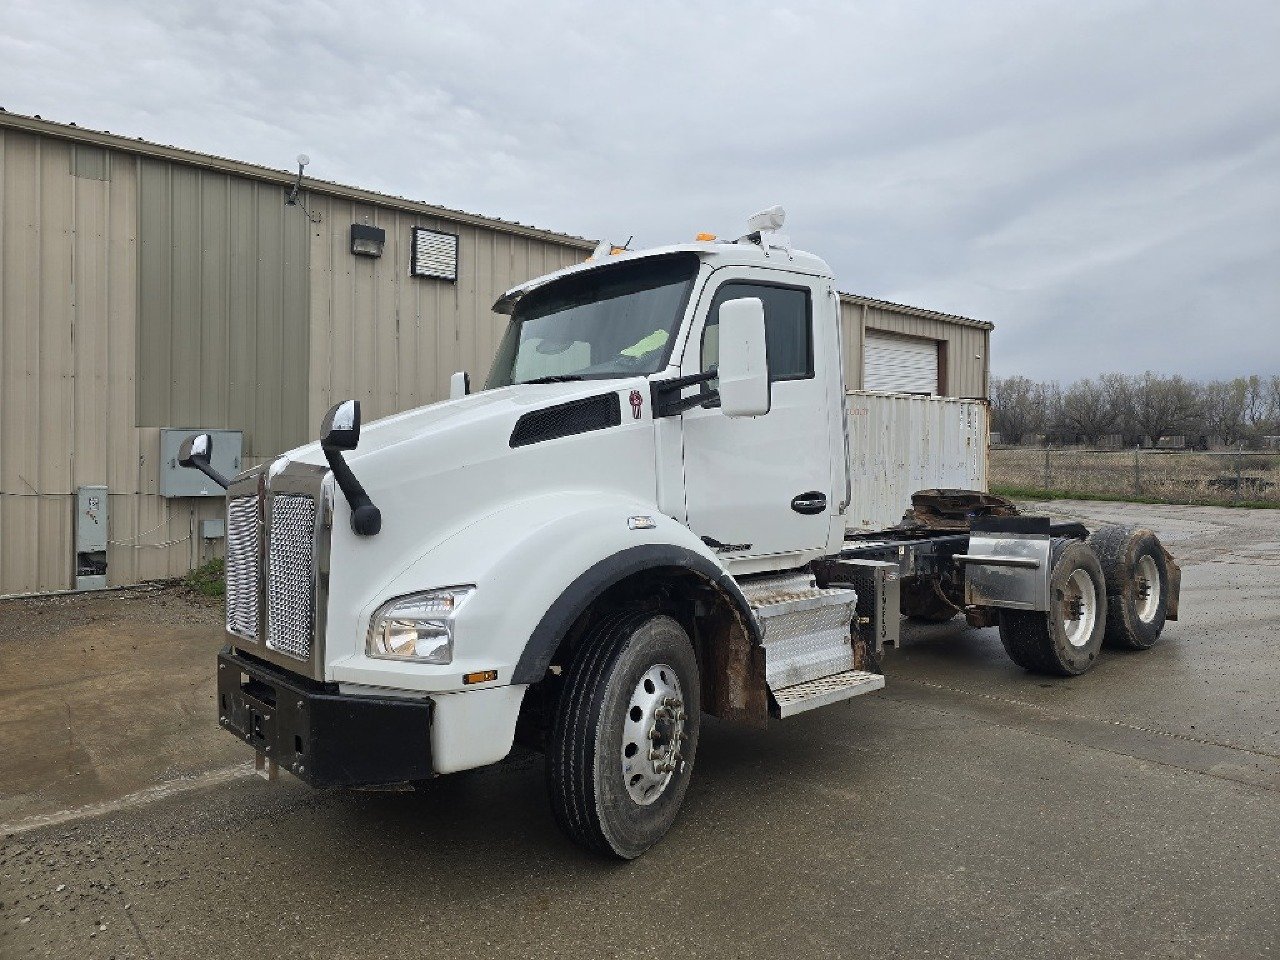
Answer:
x=418 y=628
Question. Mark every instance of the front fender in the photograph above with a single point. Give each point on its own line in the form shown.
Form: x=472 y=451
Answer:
x=536 y=564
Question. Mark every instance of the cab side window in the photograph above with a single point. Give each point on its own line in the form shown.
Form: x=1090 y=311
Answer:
x=788 y=328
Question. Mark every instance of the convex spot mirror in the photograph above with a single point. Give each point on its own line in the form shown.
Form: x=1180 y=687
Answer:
x=340 y=429
x=743 y=369
x=459 y=385
x=196 y=449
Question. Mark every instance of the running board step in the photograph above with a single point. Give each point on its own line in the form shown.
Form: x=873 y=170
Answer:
x=825 y=690
x=806 y=629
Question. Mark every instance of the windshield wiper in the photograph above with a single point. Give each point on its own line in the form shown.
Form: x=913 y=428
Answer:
x=556 y=378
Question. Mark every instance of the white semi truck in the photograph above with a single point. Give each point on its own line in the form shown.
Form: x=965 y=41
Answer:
x=641 y=519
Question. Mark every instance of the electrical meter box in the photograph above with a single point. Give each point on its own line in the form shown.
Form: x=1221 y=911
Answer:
x=177 y=481
x=91 y=523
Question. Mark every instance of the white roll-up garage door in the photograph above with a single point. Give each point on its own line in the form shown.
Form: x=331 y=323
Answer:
x=899 y=364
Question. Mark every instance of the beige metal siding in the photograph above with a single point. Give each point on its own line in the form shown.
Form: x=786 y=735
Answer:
x=223 y=318
x=967 y=361
x=391 y=340
x=899 y=444
x=138 y=292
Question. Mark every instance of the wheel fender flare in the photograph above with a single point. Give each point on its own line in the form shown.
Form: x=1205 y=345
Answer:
x=539 y=562
x=578 y=596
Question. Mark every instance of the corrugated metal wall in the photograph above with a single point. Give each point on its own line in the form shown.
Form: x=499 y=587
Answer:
x=68 y=340
x=138 y=293
x=899 y=444
x=391 y=340
x=967 y=361
x=223 y=317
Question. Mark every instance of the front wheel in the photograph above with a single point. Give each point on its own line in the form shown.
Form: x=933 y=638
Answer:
x=625 y=733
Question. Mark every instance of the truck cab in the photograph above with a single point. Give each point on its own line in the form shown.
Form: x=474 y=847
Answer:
x=640 y=518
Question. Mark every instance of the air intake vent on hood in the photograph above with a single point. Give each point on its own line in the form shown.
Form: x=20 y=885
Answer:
x=566 y=419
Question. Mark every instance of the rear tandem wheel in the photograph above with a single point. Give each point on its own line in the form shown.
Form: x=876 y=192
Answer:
x=1067 y=639
x=1133 y=561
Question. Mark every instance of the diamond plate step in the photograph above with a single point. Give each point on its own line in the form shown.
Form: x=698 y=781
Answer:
x=824 y=690
x=805 y=628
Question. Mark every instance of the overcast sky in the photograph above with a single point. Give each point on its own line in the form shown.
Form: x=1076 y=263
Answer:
x=1100 y=179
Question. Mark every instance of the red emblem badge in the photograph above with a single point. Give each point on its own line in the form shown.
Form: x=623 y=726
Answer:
x=637 y=402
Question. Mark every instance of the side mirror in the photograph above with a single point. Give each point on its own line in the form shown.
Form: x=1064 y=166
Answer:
x=459 y=385
x=196 y=453
x=743 y=369
x=340 y=428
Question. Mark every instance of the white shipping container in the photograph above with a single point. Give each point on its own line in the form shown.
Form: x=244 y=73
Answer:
x=900 y=443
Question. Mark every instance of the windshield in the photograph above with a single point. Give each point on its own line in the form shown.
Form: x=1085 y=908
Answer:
x=615 y=321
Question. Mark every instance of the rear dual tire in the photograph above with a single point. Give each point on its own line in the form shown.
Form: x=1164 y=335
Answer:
x=1066 y=640
x=625 y=734
x=1133 y=561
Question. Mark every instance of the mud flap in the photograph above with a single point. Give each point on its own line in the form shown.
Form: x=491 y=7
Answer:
x=1173 y=583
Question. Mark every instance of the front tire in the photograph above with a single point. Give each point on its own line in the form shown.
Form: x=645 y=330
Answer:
x=625 y=733
x=1068 y=638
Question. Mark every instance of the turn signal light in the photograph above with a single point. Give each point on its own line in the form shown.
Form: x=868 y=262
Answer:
x=705 y=237
x=480 y=676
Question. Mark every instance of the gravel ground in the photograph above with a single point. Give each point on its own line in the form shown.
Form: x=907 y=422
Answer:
x=969 y=809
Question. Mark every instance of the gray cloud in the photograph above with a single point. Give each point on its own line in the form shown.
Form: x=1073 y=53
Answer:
x=1099 y=179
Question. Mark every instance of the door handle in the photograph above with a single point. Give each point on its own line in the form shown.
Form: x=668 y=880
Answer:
x=809 y=503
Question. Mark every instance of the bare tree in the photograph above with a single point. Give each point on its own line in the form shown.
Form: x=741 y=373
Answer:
x=1017 y=407
x=1118 y=391
x=1149 y=407
x=1258 y=404
x=1224 y=406
x=1164 y=406
x=1086 y=412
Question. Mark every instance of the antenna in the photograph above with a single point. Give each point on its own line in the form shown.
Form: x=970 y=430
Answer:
x=292 y=198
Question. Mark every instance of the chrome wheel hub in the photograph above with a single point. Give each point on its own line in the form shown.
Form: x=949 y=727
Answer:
x=653 y=734
x=1147 y=588
x=1079 y=608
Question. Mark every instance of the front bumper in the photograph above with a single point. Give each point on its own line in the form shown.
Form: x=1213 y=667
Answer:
x=323 y=737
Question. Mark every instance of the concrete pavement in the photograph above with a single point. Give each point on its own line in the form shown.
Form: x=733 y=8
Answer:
x=970 y=809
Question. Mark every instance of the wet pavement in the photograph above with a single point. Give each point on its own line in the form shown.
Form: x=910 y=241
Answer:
x=969 y=809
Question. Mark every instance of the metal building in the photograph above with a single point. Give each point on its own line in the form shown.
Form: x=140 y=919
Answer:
x=146 y=291
x=144 y=287
x=899 y=349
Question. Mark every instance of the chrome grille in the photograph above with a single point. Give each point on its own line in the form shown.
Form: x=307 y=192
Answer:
x=242 y=567
x=291 y=560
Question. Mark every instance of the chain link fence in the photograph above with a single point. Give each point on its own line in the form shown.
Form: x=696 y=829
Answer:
x=1229 y=478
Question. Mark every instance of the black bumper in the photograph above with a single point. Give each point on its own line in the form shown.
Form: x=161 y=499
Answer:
x=323 y=737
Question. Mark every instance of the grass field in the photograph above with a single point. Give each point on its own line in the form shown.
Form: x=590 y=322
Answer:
x=1147 y=476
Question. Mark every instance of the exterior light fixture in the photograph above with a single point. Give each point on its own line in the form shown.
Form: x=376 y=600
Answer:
x=367 y=241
